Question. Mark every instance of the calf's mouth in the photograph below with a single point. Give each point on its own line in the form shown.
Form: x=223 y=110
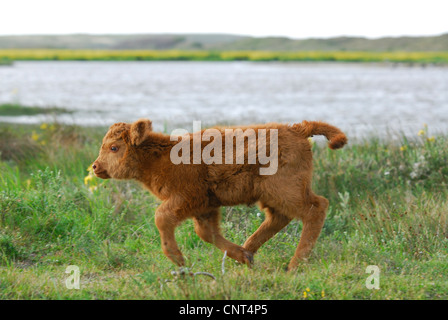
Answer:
x=102 y=174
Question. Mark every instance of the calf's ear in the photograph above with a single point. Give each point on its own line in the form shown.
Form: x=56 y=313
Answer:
x=139 y=131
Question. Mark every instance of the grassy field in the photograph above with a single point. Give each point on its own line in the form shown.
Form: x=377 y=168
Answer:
x=5 y=62
x=388 y=208
x=13 y=109
x=203 y=55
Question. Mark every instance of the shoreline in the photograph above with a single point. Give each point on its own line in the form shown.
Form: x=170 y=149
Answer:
x=437 y=58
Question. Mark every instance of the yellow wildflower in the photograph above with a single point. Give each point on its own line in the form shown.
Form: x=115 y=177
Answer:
x=421 y=133
x=305 y=294
x=35 y=136
x=44 y=126
x=87 y=179
x=43 y=142
x=90 y=180
x=403 y=148
x=307 y=289
x=322 y=294
x=431 y=139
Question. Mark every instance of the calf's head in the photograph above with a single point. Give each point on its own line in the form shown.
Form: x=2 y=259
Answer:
x=117 y=158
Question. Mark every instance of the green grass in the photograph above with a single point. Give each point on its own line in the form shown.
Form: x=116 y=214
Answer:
x=205 y=55
x=20 y=110
x=5 y=62
x=387 y=208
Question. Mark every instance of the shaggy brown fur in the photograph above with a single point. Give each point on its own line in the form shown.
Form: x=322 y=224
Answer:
x=134 y=151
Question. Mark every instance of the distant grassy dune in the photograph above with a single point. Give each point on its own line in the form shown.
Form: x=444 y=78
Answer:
x=203 y=55
x=223 y=42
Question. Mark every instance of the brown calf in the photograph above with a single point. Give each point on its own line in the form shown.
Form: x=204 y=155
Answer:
x=197 y=191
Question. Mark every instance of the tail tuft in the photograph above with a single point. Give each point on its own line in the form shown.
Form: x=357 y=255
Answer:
x=338 y=141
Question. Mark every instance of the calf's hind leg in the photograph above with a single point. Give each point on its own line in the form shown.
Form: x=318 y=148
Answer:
x=313 y=220
x=207 y=228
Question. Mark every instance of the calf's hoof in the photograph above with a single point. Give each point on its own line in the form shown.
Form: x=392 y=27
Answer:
x=249 y=258
x=242 y=256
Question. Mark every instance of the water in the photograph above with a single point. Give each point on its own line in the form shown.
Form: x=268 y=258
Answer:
x=361 y=99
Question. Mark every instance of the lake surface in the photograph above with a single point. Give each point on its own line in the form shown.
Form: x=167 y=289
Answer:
x=361 y=99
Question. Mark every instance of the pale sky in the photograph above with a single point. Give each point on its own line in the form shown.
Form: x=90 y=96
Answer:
x=295 y=19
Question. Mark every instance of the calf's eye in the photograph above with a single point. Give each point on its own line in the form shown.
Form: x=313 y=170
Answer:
x=114 y=149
